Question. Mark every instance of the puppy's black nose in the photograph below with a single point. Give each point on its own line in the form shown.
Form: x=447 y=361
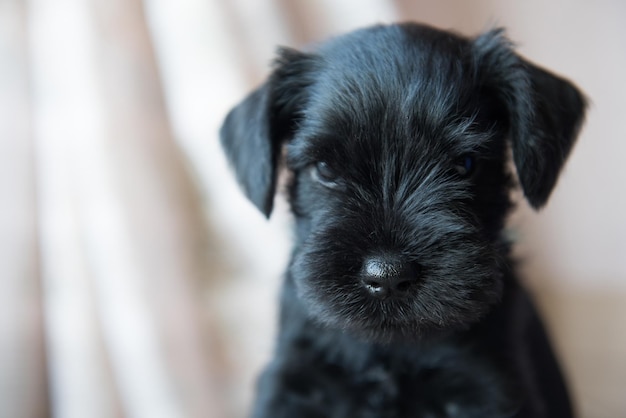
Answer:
x=385 y=276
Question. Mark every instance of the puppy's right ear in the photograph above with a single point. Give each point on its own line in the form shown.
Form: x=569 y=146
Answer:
x=544 y=113
x=254 y=131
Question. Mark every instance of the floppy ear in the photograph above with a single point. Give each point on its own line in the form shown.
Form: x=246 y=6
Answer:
x=544 y=113
x=254 y=131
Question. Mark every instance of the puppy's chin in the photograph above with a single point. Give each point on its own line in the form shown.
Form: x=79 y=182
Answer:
x=386 y=324
x=440 y=304
x=396 y=333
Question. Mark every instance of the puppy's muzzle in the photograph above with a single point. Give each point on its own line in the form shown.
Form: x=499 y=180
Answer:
x=385 y=276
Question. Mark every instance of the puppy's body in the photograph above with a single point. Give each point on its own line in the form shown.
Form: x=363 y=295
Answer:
x=500 y=368
x=400 y=298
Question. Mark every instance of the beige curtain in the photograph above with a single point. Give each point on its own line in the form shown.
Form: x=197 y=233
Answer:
x=137 y=280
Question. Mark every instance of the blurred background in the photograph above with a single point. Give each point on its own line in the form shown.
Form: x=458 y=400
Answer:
x=138 y=282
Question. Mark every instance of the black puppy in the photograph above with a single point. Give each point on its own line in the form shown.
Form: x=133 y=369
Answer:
x=401 y=299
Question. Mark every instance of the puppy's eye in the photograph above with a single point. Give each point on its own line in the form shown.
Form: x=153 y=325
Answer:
x=465 y=166
x=324 y=174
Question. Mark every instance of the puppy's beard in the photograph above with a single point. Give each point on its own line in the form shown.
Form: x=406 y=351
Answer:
x=456 y=289
x=377 y=321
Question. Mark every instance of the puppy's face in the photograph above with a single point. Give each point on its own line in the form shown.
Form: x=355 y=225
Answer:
x=399 y=189
x=396 y=141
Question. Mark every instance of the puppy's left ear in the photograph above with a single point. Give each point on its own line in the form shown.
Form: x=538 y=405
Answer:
x=254 y=131
x=544 y=112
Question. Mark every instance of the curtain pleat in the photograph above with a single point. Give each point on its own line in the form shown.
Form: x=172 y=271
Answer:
x=121 y=227
x=23 y=376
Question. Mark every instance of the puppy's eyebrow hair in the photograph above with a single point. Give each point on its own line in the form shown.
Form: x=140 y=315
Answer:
x=301 y=152
x=297 y=156
x=466 y=135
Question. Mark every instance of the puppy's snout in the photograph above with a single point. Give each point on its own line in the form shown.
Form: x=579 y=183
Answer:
x=385 y=276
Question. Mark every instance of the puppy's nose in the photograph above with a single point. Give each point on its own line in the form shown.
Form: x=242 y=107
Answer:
x=385 y=276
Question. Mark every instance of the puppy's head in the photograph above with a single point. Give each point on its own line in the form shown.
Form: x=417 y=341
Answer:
x=396 y=138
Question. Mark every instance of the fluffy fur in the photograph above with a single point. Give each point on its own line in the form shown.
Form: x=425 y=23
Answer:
x=400 y=299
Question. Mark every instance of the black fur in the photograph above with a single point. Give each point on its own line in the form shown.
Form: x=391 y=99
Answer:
x=400 y=299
